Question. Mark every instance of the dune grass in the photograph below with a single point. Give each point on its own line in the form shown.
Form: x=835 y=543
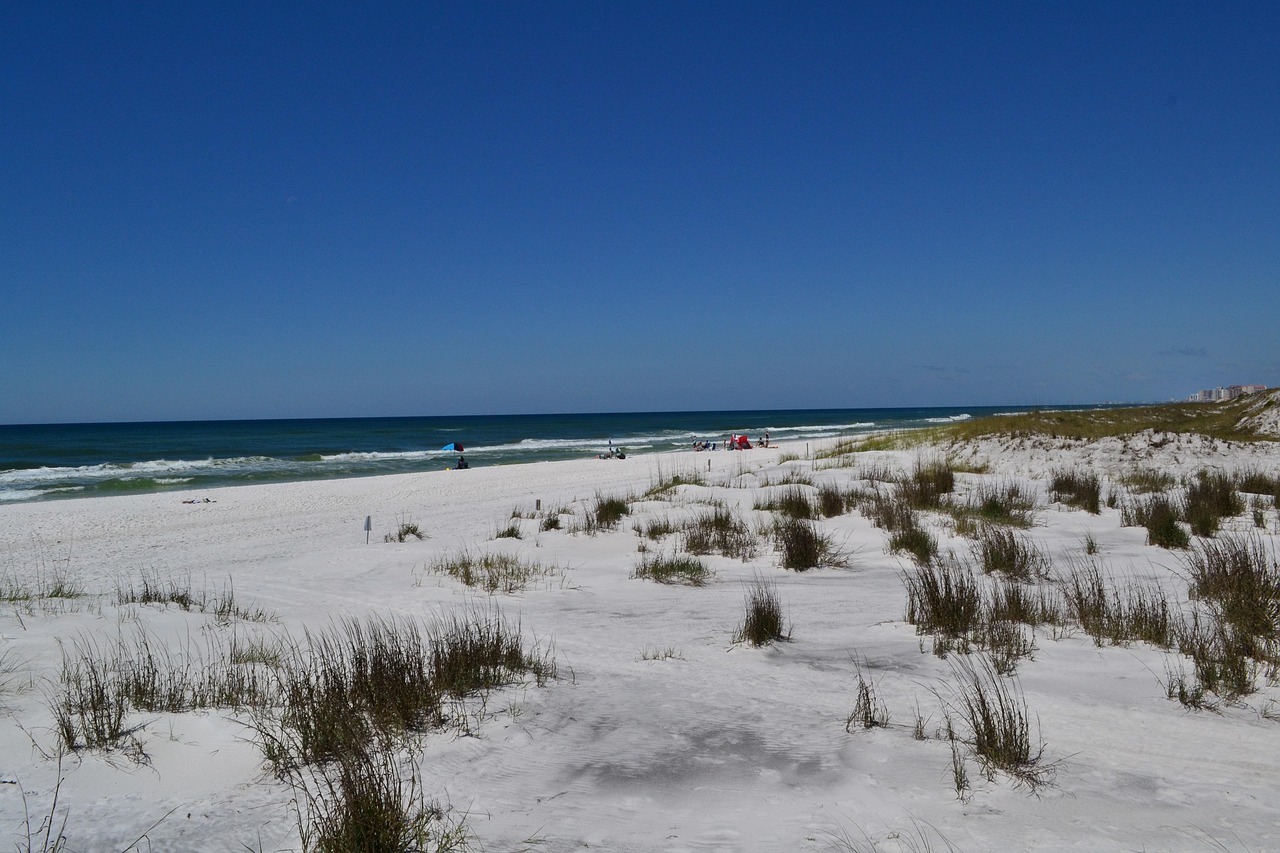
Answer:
x=406 y=529
x=764 y=621
x=720 y=531
x=666 y=482
x=372 y=800
x=914 y=540
x=869 y=711
x=1007 y=502
x=1160 y=515
x=673 y=569
x=999 y=550
x=492 y=572
x=999 y=724
x=1211 y=497
x=1115 y=613
x=792 y=502
x=1079 y=489
x=927 y=483
x=605 y=514
x=801 y=546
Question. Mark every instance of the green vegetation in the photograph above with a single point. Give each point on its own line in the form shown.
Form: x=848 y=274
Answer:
x=723 y=532
x=1159 y=515
x=999 y=725
x=765 y=621
x=505 y=573
x=606 y=514
x=801 y=546
x=793 y=502
x=1082 y=490
x=999 y=550
x=675 y=568
x=1009 y=503
x=1210 y=498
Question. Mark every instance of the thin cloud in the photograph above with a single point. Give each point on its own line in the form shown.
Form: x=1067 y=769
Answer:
x=1189 y=352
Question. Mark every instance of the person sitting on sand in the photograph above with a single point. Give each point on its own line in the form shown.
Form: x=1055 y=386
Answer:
x=462 y=463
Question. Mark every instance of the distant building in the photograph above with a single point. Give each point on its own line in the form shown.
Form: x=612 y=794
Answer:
x=1221 y=393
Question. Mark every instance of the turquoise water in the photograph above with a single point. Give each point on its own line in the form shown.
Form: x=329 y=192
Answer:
x=42 y=462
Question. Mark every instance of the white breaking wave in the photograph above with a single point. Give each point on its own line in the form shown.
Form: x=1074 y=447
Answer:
x=951 y=419
x=132 y=470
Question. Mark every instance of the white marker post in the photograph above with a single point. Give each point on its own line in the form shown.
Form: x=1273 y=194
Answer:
x=368 y=525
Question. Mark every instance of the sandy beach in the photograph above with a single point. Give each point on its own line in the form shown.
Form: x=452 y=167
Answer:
x=659 y=731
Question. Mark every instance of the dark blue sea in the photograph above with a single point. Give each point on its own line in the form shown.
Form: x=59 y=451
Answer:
x=43 y=462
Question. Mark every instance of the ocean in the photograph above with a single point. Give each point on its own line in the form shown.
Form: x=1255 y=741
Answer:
x=60 y=461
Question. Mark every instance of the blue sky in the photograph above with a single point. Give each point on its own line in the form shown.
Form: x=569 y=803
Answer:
x=239 y=210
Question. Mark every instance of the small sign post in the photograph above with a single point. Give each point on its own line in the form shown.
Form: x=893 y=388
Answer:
x=368 y=525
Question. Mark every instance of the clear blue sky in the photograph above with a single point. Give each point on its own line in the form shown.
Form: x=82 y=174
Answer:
x=273 y=209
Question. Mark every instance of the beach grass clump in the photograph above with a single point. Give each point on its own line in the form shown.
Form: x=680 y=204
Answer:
x=869 y=711
x=927 y=483
x=347 y=686
x=1147 y=481
x=1225 y=661
x=999 y=550
x=665 y=483
x=58 y=582
x=1211 y=497
x=944 y=599
x=103 y=683
x=364 y=683
x=551 y=519
x=721 y=531
x=493 y=572
x=605 y=514
x=1079 y=489
x=1115 y=613
x=790 y=477
x=886 y=510
x=673 y=569
x=89 y=711
x=999 y=724
x=480 y=651
x=1160 y=516
x=153 y=679
x=764 y=622
x=832 y=501
x=801 y=546
x=1255 y=481
x=1014 y=600
x=150 y=588
x=1239 y=577
x=1009 y=503
x=914 y=540
x=371 y=800
x=509 y=530
x=792 y=502
x=406 y=529
x=655 y=528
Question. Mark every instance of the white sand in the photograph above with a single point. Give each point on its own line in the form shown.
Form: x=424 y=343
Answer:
x=723 y=747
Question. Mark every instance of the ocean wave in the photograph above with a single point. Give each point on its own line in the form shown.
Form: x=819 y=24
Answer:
x=131 y=470
x=828 y=429
x=948 y=420
x=387 y=456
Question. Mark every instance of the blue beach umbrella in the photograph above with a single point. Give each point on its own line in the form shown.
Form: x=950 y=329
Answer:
x=453 y=446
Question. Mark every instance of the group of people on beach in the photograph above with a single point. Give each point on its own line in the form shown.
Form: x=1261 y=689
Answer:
x=734 y=442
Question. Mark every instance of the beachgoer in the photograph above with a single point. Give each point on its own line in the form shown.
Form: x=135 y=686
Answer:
x=462 y=463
